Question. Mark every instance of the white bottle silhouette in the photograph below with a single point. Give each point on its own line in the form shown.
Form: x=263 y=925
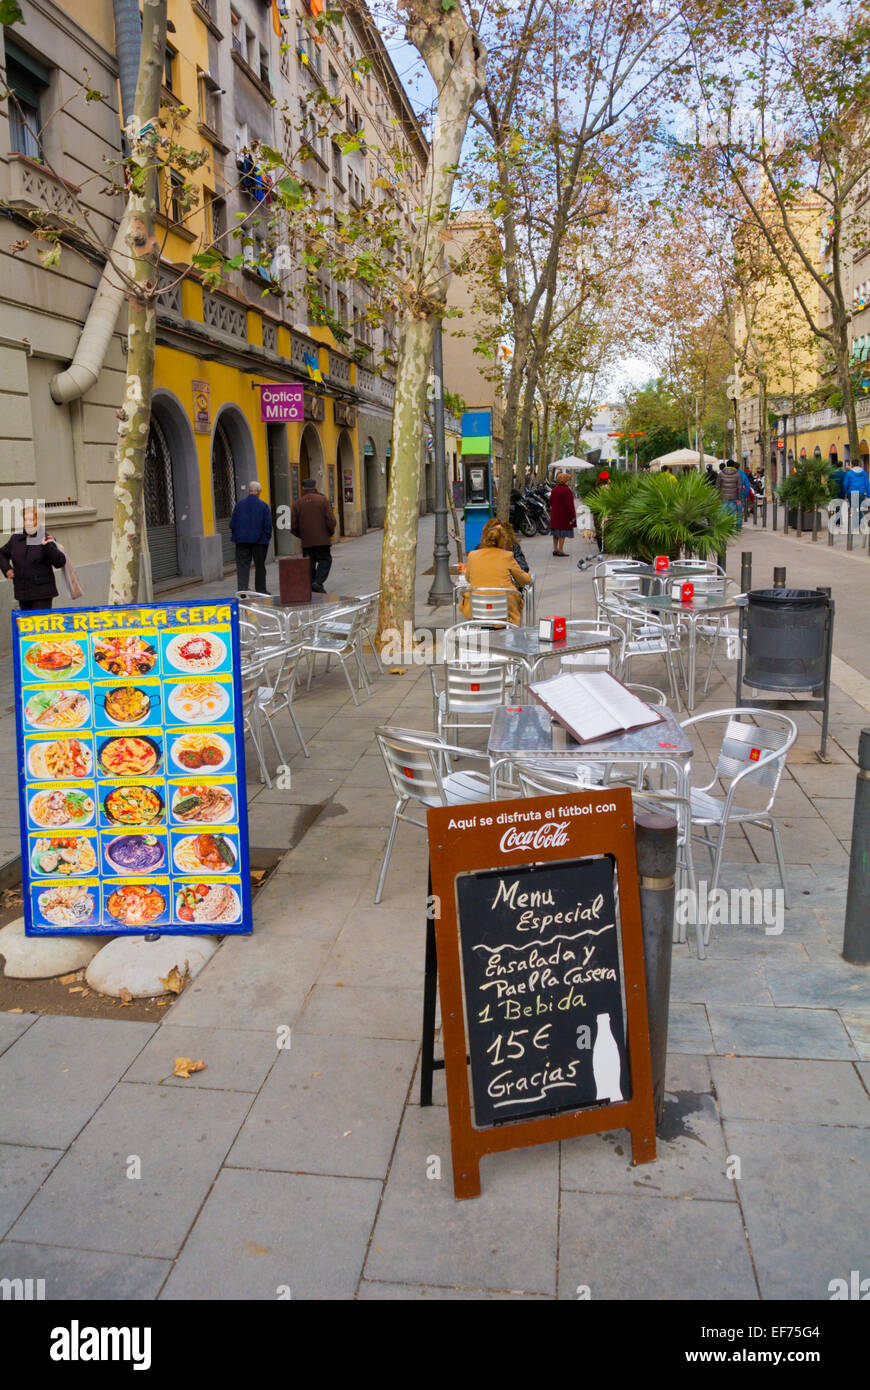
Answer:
x=606 y=1065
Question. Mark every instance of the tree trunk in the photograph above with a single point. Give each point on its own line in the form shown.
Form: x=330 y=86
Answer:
x=544 y=442
x=144 y=251
x=764 y=432
x=456 y=61
x=522 y=338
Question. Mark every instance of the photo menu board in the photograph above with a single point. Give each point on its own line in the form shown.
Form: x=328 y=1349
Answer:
x=131 y=761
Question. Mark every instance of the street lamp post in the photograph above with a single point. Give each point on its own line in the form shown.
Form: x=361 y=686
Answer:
x=442 y=585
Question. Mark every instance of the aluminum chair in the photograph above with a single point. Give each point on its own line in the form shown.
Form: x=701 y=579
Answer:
x=338 y=625
x=344 y=647
x=751 y=754
x=647 y=634
x=272 y=698
x=469 y=695
x=418 y=766
x=607 y=586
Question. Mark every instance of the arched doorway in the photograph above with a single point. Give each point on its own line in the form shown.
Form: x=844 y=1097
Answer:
x=864 y=451
x=173 y=504
x=160 y=503
x=233 y=465
x=311 y=457
x=345 y=482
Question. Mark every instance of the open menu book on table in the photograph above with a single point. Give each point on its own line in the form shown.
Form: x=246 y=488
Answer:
x=593 y=705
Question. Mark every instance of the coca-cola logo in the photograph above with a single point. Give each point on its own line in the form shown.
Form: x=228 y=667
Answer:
x=549 y=836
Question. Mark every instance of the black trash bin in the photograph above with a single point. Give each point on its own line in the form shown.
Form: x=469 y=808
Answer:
x=786 y=639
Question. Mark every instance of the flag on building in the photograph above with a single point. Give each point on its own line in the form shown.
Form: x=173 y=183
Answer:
x=313 y=366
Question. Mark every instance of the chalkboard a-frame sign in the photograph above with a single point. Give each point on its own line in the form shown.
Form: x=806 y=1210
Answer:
x=537 y=1046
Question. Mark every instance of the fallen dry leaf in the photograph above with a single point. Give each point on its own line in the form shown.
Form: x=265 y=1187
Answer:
x=185 y=1066
x=161 y=1003
x=16 y=1011
x=397 y=670
x=78 y=989
x=174 y=982
x=125 y=996
x=68 y=979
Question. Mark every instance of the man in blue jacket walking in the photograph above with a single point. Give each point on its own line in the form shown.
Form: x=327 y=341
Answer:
x=251 y=531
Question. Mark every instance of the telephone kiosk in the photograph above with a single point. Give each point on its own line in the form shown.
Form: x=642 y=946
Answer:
x=478 y=498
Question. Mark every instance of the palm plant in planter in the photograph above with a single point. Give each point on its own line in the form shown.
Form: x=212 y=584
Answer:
x=807 y=488
x=662 y=515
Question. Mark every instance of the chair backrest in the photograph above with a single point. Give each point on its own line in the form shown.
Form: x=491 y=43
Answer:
x=490 y=603
x=285 y=680
x=468 y=643
x=251 y=675
x=541 y=781
x=473 y=689
x=650 y=693
x=414 y=764
x=596 y=658
x=745 y=744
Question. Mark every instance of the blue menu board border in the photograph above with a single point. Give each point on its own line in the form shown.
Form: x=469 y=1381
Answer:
x=241 y=869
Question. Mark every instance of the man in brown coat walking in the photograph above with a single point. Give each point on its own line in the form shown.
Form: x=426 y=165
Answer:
x=312 y=520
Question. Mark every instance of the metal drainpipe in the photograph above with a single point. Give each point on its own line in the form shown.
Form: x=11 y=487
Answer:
x=99 y=325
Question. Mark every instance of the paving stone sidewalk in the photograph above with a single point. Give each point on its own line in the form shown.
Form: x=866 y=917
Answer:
x=309 y=1168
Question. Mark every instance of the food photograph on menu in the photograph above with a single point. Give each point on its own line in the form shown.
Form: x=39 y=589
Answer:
x=130 y=744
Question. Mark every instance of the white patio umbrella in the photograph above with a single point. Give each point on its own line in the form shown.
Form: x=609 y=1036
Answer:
x=681 y=458
x=566 y=465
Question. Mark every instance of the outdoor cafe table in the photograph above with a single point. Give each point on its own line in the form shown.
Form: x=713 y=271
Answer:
x=701 y=606
x=524 y=645
x=523 y=733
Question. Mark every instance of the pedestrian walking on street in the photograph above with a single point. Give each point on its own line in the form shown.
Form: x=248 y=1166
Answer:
x=856 y=481
x=251 y=531
x=29 y=559
x=312 y=521
x=563 y=517
x=731 y=490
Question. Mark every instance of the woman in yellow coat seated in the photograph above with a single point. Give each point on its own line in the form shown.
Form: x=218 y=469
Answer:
x=492 y=566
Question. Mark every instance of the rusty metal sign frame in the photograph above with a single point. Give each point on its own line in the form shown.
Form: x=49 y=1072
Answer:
x=458 y=851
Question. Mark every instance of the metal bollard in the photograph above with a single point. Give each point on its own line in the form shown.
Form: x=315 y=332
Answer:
x=779 y=577
x=745 y=571
x=764 y=512
x=856 y=937
x=775 y=511
x=849 y=531
x=830 y=516
x=815 y=523
x=656 y=837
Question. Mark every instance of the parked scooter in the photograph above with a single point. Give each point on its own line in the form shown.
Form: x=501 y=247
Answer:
x=538 y=508
x=521 y=518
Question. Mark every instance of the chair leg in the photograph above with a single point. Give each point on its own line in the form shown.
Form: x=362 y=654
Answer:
x=375 y=652
x=282 y=761
x=385 y=862
x=255 y=739
x=780 y=860
x=302 y=742
x=348 y=679
x=312 y=661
